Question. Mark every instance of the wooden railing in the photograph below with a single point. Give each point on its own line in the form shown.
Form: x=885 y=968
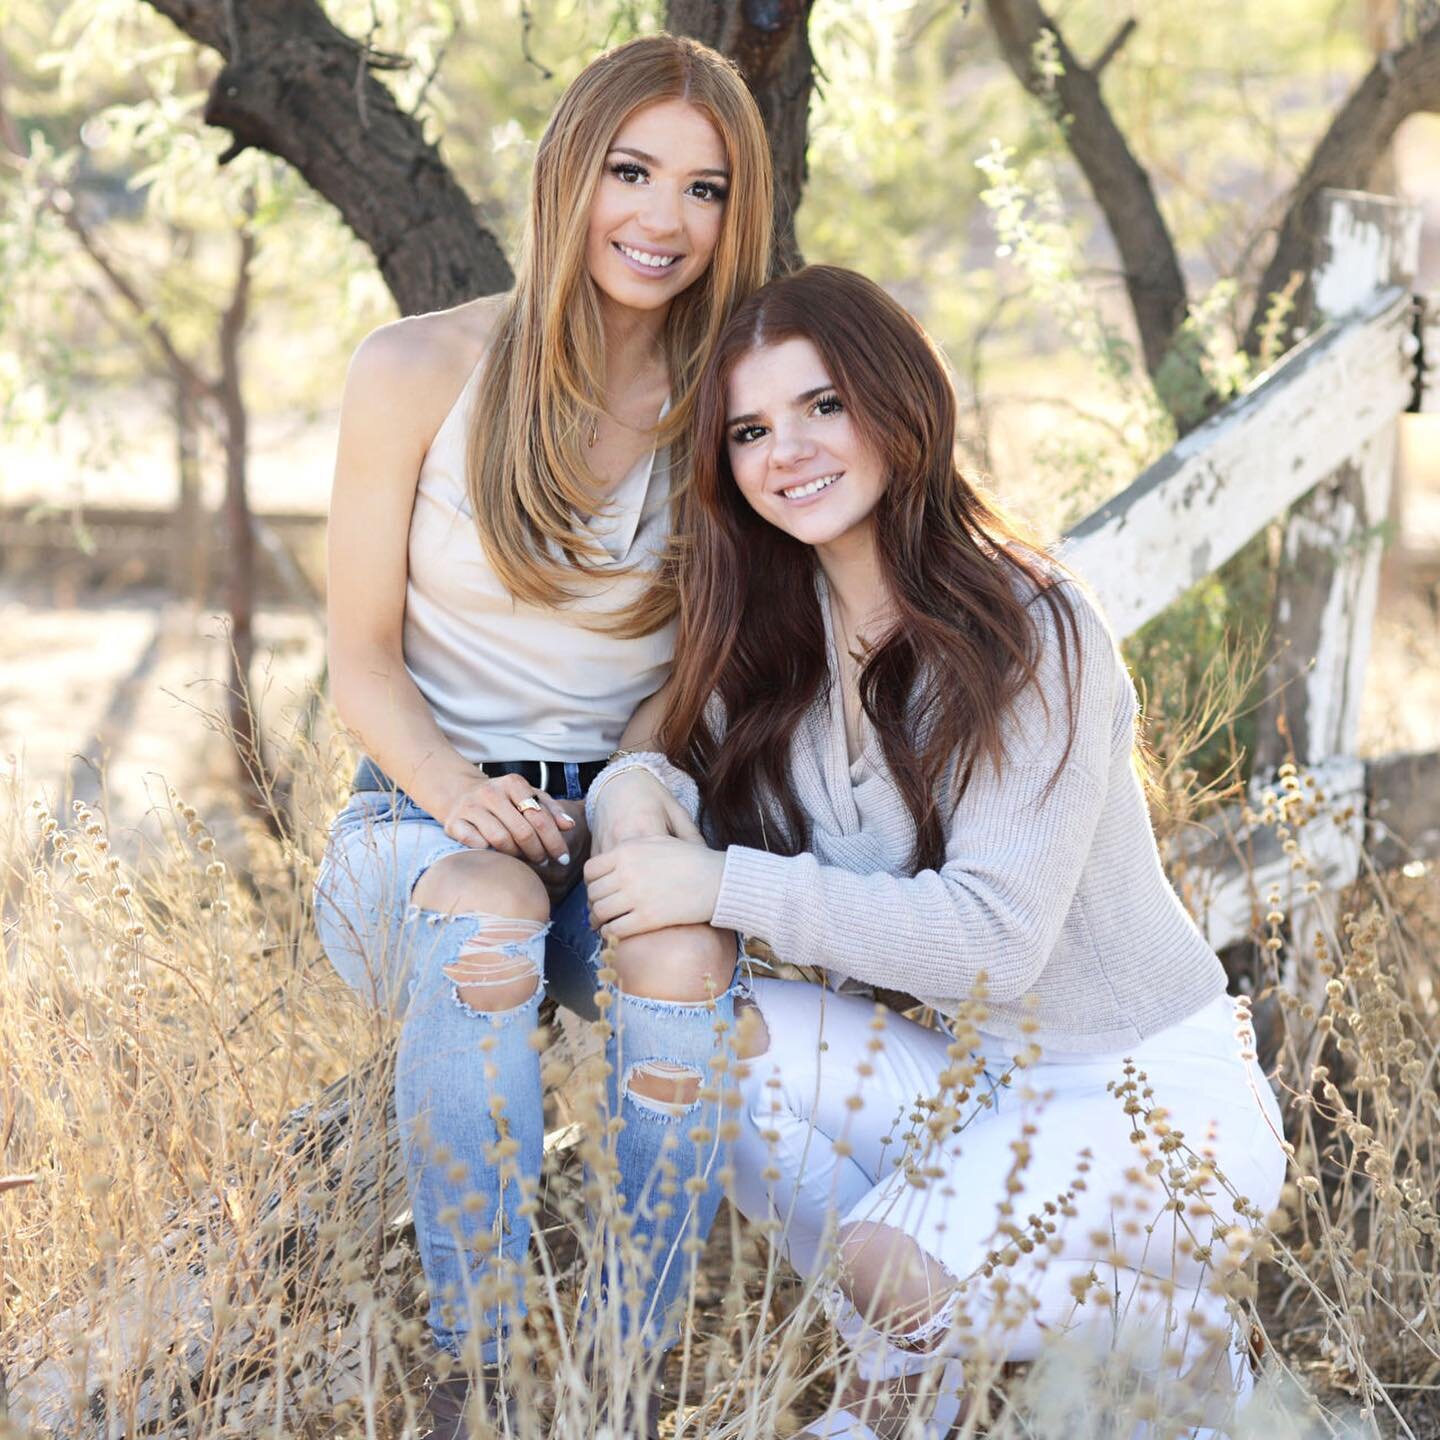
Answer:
x=1313 y=441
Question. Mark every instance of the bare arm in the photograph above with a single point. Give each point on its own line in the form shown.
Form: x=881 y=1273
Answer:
x=640 y=731
x=402 y=382
x=385 y=429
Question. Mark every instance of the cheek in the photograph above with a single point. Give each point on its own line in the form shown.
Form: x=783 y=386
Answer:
x=705 y=231
x=602 y=216
x=749 y=476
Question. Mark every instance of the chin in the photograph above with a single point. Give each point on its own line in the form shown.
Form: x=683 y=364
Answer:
x=624 y=289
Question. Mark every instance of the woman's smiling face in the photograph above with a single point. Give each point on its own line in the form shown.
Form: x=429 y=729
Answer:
x=799 y=460
x=656 y=216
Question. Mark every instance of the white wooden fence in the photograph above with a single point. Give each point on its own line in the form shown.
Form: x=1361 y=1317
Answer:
x=1314 y=436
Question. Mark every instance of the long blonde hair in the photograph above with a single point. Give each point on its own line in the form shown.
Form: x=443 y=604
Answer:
x=544 y=382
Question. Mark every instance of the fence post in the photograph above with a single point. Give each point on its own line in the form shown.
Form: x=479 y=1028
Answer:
x=1330 y=559
x=1329 y=570
x=1329 y=563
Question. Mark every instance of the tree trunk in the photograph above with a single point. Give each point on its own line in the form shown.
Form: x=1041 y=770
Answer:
x=252 y=771
x=299 y=88
x=1120 y=184
x=1399 y=85
x=770 y=42
x=191 y=574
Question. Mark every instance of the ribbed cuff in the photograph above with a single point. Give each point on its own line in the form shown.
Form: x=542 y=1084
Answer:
x=753 y=887
x=674 y=779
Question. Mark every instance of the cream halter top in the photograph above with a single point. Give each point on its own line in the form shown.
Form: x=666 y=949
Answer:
x=512 y=681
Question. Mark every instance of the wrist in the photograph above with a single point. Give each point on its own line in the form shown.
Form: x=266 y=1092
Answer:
x=603 y=790
x=441 y=792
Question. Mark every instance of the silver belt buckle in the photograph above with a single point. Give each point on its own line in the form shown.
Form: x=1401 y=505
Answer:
x=544 y=775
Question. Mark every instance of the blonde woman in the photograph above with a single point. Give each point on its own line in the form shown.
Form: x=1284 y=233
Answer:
x=500 y=604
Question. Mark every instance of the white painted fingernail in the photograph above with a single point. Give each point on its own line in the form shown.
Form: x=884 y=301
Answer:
x=564 y=857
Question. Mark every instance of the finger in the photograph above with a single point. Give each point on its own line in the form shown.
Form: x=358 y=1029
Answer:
x=467 y=833
x=623 y=928
x=597 y=867
x=683 y=827
x=608 y=907
x=542 y=822
x=601 y=888
x=496 y=835
x=520 y=830
x=561 y=814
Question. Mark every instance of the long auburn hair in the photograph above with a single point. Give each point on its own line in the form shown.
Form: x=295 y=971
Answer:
x=963 y=644
x=544 y=383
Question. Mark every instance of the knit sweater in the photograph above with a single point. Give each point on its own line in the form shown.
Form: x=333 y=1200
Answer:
x=1059 y=901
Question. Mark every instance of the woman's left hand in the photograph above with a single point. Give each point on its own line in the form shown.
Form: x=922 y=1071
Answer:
x=648 y=883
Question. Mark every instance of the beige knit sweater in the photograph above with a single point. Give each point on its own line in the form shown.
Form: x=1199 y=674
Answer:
x=1060 y=903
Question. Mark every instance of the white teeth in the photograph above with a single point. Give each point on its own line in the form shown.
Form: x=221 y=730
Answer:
x=799 y=492
x=655 y=262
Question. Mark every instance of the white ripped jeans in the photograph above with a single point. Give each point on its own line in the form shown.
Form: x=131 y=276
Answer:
x=825 y=1145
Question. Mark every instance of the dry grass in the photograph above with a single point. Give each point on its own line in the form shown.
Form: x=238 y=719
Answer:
x=194 y=1257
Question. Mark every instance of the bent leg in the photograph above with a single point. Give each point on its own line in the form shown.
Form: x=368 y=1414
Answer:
x=467 y=1086
x=1090 y=1206
x=837 y=1098
x=670 y=1055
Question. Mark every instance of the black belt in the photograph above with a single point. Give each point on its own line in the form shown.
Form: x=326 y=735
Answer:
x=564 y=779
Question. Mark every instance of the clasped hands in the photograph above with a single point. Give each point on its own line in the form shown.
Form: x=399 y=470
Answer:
x=652 y=867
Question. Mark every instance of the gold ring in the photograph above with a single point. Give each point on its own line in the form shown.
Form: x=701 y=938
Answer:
x=528 y=803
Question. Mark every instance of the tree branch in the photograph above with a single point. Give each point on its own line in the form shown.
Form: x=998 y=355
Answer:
x=1120 y=184
x=1401 y=83
x=290 y=87
x=1116 y=44
x=62 y=203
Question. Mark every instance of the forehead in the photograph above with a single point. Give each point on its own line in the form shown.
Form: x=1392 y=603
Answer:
x=675 y=132
x=775 y=374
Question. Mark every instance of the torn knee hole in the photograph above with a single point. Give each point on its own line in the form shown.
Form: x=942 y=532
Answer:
x=899 y=1288
x=752 y=1035
x=496 y=969
x=663 y=1086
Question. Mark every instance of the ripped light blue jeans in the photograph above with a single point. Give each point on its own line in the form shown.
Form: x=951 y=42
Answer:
x=468 y=1094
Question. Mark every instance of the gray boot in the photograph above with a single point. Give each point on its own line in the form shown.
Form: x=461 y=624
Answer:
x=456 y=1409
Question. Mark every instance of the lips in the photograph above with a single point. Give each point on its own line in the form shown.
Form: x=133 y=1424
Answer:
x=809 y=489
x=648 y=262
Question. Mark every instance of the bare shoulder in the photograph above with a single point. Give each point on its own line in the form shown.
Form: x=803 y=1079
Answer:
x=414 y=368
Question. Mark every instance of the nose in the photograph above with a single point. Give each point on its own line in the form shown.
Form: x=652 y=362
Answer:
x=660 y=215
x=790 y=445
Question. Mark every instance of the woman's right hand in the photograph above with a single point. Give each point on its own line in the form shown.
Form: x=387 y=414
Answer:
x=635 y=805
x=486 y=815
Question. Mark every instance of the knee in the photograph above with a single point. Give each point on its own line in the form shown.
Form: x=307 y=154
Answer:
x=496 y=968
x=685 y=964
x=480 y=882
x=664 y=1087
x=892 y=1282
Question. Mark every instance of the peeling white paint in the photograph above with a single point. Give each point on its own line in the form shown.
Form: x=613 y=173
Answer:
x=1224 y=481
x=1370 y=242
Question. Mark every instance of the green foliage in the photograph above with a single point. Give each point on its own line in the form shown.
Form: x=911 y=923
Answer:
x=1228 y=610
x=1035 y=235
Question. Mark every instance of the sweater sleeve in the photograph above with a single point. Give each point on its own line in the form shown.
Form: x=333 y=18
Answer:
x=1013 y=857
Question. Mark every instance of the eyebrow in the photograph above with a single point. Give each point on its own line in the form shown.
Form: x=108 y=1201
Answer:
x=651 y=160
x=803 y=398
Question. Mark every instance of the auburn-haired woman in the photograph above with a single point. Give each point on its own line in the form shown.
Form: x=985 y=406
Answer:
x=498 y=610
x=912 y=736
